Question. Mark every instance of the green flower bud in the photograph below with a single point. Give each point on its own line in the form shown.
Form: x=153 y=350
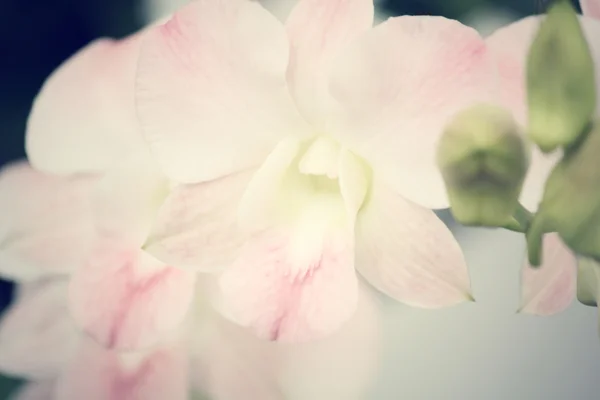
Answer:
x=483 y=160
x=561 y=86
x=588 y=274
x=571 y=201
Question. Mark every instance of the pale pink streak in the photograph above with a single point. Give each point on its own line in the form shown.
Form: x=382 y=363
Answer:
x=126 y=299
x=285 y=298
x=397 y=86
x=549 y=288
x=45 y=222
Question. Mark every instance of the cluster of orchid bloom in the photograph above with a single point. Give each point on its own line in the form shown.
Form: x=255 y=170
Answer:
x=207 y=204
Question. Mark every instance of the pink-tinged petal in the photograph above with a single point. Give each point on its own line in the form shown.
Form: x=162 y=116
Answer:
x=100 y=374
x=126 y=299
x=590 y=8
x=290 y=285
x=318 y=30
x=196 y=227
x=398 y=86
x=211 y=90
x=407 y=252
x=37 y=336
x=550 y=288
x=41 y=390
x=128 y=198
x=230 y=363
x=45 y=222
x=84 y=119
x=343 y=366
x=509 y=47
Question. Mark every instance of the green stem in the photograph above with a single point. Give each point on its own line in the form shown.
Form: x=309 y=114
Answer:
x=520 y=221
x=535 y=234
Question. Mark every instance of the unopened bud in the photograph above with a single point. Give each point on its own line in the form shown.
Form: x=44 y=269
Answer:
x=571 y=201
x=483 y=160
x=561 y=86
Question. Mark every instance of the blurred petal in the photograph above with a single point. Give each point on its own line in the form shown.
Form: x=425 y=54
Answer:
x=197 y=228
x=128 y=198
x=37 y=336
x=342 y=366
x=45 y=222
x=126 y=299
x=230 y=363
x=211 y=89
x=39 y=390
x=590 y=8
x=101 y=374
x=550 y=288
x=318 y=30
x=407 y=252
x=290 y=285
x=83 y=119
x=398 y=85
x=510 y=46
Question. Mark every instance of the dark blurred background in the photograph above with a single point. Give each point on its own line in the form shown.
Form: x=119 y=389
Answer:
x=37 y=35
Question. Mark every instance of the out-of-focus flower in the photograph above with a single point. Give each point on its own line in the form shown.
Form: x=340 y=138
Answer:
x=483 y=158
x=207 y=355
x=551 y=287
x=92 y=213
x=326 y=128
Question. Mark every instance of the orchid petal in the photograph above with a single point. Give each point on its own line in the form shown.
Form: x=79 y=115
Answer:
x=197 y=227
x=101 y=374
x=590 y=8
x=230 y=363
x=549 y=288
x=351 y=355
x=406 y=252
x=398 y=85
x=126 y=299
x=37 y=337
x=128 y=198
x=291 y=285
x=211 y=89
x=83 y=119
x=46 y=223
x=318 y=30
